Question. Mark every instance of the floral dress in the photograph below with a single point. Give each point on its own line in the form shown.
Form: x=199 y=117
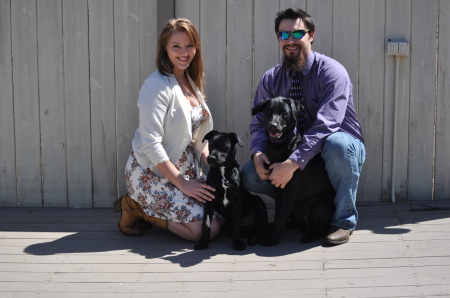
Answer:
x=158 y=196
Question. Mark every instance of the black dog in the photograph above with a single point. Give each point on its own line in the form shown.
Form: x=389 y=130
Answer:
x=231 y=200
x=308 y=196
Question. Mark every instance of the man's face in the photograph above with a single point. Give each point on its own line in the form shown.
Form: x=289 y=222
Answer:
x=294 y=50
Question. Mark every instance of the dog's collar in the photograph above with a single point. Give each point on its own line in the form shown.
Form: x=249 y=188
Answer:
x=233 y=164
x=229 y=165
x=286 y=137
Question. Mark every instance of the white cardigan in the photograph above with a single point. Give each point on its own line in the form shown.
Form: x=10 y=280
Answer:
x=165 y=125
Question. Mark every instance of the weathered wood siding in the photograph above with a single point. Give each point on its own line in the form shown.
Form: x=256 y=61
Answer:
x=70 y=73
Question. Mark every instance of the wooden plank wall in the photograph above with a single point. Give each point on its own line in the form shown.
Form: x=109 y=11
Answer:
x=70 y=73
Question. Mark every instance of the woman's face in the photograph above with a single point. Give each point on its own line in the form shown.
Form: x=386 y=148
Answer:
x=181 y=51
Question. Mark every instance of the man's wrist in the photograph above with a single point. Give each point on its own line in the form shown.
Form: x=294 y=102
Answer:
x=295 y=166
x=254 y=154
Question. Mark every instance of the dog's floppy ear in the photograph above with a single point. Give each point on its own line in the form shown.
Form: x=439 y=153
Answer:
x=295 y=108
x=210 y=135
x=260 y=107
x=235 y=138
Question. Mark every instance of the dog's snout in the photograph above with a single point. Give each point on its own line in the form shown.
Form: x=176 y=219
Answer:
x=210 y=159
x=216 y=158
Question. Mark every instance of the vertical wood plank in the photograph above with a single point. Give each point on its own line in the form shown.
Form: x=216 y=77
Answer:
x=346 y=39
x=371 y=91
x=7 y=152
x=321 y=12
x=284 y=4
x=266 y=48
x=103 y=109
x=398 y=28
x=148 y=26
x=189 y=9
x=127 y=72
x=239 y=71
x=442 y=178
x=422 y=99
x=26 y=103
x=77 y=101
x=51 y=93
x=166 y=11
x=213 y=39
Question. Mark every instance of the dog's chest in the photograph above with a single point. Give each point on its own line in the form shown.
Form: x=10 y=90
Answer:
x=280 y=151
x=226 y=182
x=225 y=185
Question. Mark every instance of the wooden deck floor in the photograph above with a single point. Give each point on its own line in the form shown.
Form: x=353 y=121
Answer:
x=395 y=252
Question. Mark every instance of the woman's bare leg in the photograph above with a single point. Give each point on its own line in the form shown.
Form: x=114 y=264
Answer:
x=193 y=230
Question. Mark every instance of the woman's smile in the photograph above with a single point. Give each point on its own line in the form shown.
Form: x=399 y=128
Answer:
x=181 y=50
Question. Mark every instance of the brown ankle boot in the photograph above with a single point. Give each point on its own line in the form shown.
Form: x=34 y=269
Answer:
x=128 y=216
x=132 y=214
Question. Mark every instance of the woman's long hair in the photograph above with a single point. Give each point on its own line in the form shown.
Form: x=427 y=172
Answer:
x=165 y=66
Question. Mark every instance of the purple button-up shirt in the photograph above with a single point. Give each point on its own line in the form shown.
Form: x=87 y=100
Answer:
x=327 y=92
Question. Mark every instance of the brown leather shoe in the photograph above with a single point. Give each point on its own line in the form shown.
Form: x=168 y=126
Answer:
x=337 y=235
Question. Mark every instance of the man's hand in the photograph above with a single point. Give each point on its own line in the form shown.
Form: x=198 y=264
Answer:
x=259 y=160
x=282 y=172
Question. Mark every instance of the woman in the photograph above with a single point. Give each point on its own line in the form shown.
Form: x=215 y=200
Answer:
x=163 y=167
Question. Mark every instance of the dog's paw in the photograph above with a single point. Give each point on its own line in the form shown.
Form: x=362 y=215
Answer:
x=270 y=242
x=200 y=246
x=261 y=238
x=239 y=245
x=252 y=241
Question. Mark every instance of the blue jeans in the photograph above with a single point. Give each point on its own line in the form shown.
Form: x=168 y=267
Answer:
x=344 y=157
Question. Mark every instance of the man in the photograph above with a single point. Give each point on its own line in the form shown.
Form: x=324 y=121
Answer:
x=331 y=127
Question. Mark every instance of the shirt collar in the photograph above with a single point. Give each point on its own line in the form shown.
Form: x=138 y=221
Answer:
x=309 y=63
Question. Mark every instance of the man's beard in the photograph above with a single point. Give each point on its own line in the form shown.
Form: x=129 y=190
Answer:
x=294 y=62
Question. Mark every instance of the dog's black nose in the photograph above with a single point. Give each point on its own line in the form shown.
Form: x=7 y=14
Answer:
x=272 y=127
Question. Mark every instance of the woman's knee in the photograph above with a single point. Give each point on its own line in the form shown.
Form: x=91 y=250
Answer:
x=188 y=231
x=196 y=229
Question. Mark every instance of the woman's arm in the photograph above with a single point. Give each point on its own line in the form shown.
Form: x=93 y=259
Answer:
x=205 y=154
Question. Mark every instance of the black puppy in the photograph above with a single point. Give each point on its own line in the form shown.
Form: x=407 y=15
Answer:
x=231 y=200
x=309 y=195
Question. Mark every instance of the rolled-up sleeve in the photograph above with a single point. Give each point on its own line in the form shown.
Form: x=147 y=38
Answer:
x=153 y=103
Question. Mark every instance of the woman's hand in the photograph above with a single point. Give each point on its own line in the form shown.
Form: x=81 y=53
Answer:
x=259 y=160
x=198 y=190
x=192 y=188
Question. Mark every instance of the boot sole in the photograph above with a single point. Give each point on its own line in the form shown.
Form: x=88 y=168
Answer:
x=129 y=235
x=336 y=242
